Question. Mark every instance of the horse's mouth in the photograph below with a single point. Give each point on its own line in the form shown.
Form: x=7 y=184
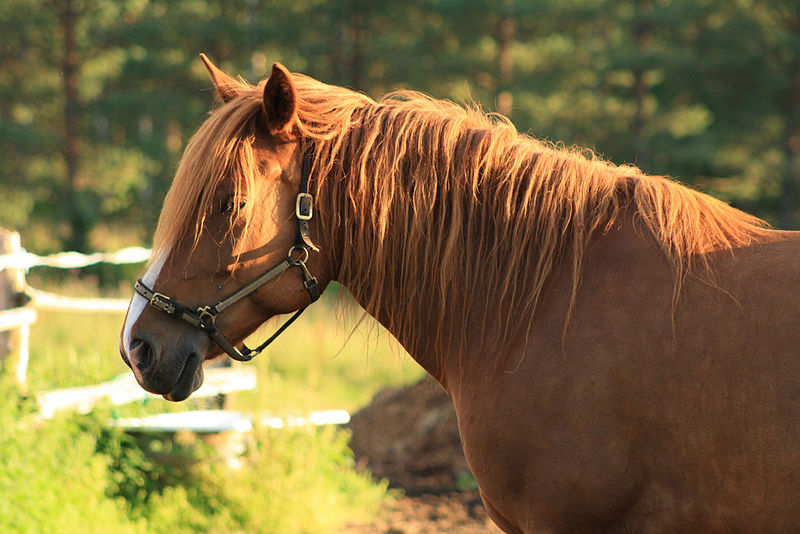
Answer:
x=189 y=381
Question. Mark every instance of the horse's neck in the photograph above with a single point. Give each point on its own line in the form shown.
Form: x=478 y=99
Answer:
x=336 y=246
x=425 y=336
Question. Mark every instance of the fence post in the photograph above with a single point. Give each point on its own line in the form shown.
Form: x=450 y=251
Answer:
x=13 y=343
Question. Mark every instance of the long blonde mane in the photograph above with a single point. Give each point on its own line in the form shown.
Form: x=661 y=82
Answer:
x=448 y=213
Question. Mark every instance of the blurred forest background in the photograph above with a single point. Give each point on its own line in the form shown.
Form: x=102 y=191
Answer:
x=99 y=97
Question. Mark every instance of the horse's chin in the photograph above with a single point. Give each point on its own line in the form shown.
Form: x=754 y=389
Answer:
x=189 y=381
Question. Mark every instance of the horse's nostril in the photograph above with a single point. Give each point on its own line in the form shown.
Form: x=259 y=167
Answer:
x=144 y=353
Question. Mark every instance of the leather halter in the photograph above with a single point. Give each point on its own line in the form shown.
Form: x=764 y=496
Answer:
x=204 y=317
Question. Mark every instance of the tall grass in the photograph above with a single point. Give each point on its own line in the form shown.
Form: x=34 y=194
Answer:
x=295 y=480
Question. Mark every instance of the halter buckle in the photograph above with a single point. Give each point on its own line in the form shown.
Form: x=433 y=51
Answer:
x=304 y=206
x=162 y=303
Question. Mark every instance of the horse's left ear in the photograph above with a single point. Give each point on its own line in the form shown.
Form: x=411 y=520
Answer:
x=279 y=101
x=227 y=87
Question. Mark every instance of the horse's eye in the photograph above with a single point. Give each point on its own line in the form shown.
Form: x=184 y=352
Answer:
x=226 y=208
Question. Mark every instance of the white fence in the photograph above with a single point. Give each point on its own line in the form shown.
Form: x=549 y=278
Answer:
x=16 y=261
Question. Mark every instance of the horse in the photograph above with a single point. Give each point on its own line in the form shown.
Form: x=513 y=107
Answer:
x=622 y=351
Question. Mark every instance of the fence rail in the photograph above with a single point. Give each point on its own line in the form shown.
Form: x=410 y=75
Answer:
x=22 y=259
x=16 y=317
x=43 y=300
x=124 y=389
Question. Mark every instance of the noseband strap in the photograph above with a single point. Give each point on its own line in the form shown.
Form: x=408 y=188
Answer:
x=204 y=317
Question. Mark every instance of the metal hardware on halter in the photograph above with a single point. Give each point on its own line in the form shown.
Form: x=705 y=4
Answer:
x=204 y=317
x=304 y=204
x=163 y=303
x=207 y=312
x=304 y=207
x=309 y=281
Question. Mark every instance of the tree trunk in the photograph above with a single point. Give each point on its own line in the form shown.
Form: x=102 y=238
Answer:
x=79 y=230
x=357 y=20
x=791 y=139
x=505 y=63
x=642 y=35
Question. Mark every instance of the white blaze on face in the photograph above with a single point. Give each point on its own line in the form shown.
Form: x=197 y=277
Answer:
x=138 y=302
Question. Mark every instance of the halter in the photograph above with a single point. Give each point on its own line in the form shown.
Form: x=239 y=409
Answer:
x=204 y=317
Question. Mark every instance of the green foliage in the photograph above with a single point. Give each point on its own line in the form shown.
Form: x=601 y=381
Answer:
x=75 y=474
x=51 y=478
x=292 y=481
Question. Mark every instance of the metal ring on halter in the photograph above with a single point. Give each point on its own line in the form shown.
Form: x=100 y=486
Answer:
x=302 y=259
x=206 y=313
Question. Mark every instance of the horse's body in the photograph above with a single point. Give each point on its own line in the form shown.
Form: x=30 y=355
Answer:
x=638 y=427
x=622 y=355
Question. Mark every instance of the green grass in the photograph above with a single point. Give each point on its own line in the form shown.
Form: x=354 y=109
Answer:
x=322 y=363
x=70 y=350
x=296 y=480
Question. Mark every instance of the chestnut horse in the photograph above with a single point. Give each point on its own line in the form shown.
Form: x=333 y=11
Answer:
x=623 y=352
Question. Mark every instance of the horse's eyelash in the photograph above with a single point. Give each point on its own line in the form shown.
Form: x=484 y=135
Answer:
x=226 y=208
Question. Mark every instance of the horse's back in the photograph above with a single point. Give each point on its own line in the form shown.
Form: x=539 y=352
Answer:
x=648 y=413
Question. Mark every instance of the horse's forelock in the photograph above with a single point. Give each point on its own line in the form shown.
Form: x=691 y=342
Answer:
x=221 y=149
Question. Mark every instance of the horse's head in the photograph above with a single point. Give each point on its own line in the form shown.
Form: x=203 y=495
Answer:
x=229 y=249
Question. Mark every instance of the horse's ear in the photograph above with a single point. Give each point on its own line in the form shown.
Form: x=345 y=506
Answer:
x=280 y=100
x=227 y=86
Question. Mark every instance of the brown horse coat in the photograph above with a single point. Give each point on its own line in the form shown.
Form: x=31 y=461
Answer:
x=638 y=425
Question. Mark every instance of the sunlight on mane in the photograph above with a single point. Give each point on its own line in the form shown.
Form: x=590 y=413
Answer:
x=220 y=150
x=436 y=201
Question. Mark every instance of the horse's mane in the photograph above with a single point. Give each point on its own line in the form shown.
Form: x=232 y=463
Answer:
x=445 y=209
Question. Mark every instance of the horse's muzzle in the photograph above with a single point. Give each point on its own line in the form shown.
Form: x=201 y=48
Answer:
x=175 y=376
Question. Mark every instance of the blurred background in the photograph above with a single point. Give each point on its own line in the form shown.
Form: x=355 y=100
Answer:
x=98 y=98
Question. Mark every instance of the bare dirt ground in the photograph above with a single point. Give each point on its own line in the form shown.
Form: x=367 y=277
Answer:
x=458 y=512
x=409 y=436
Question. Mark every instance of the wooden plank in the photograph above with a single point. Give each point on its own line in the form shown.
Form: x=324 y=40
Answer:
x=318 y=418
x=6 y=294
x=214 y=421
x=198 y=421
x=124 y=389
x=51 y=302
x=16 y=317
x=21 y=259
